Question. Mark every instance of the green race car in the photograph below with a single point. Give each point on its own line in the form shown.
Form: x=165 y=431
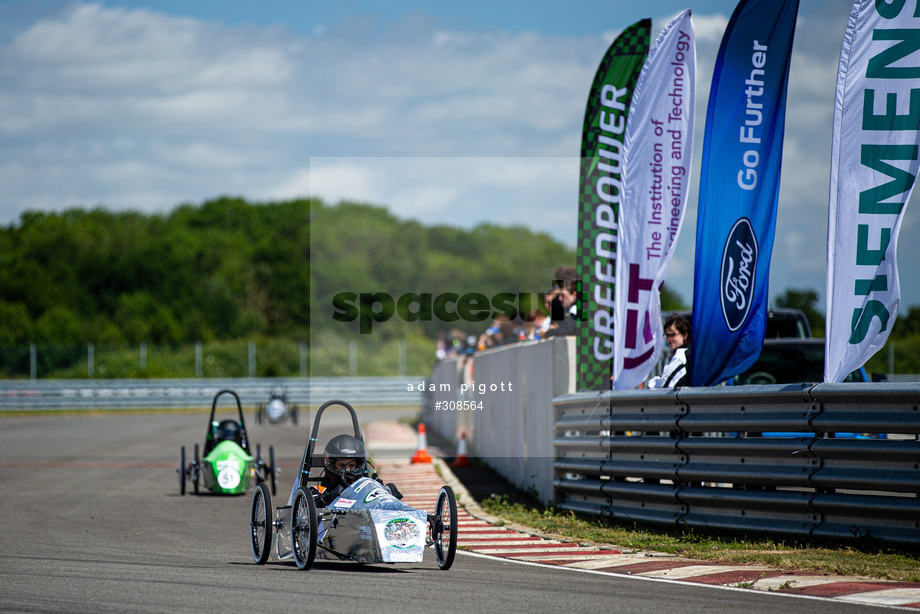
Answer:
x=227 y=465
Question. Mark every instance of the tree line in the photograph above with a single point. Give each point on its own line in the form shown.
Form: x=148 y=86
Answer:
x=229 y=269
x=224 y=269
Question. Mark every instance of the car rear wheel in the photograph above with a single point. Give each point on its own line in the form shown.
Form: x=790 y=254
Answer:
x=271 y=469
x=761 y=378
x=181 y=470
x=260 y=524
x=303 y=529
x=444 y=529
x=196 y=469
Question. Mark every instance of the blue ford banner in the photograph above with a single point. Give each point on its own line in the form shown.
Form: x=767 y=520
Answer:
x=739 y=187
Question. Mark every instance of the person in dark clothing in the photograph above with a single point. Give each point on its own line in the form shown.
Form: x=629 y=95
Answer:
x=344 y=462
x=564 y=275
x=567 y=325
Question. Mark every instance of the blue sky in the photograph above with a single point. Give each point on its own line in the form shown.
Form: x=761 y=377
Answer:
x=559 y=18
x=453 y=113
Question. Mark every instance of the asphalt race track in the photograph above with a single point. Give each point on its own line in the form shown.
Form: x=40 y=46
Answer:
x=92 y=521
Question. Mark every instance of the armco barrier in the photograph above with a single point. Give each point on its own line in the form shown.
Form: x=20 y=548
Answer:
x=757 y=459
x=32 y=395
x=836 y=461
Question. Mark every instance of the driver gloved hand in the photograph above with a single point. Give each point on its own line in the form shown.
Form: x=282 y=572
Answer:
x=394 y=491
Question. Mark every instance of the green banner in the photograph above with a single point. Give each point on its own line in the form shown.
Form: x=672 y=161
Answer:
x=599 y=194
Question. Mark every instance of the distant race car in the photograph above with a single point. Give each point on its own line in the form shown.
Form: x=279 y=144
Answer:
x=277 y=409
x=366 y=523
x=227 y=466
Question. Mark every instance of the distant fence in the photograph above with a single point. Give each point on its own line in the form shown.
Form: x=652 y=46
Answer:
x=32 y=395
x=370 y=356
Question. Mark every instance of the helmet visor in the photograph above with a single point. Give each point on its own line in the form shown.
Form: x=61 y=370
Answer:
x=349 y=469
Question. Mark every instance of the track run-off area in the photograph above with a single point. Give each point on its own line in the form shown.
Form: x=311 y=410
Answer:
x=92 y=521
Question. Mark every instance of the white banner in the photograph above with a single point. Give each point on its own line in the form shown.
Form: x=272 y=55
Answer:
x=656 y=173
x=874 y=161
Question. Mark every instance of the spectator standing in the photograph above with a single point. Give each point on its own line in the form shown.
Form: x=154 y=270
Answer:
x=567 y=326
x=564 y=277
x=677 y=335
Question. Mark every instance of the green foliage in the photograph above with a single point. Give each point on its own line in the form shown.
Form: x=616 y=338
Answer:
x=223 y=270
x=907 y=326
x=671 y=301
x=59 y=323
x=853 y=560
x=230 y=270
x=330 y=355
x=360 y=248
x=805 y=301
x=375 y=355
x=17 y=327
x=902 y=351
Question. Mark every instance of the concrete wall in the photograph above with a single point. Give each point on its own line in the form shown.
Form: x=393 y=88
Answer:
x=516 y=385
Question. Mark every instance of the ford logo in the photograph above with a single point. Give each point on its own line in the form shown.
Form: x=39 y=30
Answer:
x=739 y=268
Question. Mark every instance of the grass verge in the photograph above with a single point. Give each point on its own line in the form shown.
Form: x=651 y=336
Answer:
x=867 y=560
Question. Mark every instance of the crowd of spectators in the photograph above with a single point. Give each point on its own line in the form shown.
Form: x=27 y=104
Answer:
x=557 y=318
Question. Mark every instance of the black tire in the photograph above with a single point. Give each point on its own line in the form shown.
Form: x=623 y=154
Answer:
x=196 y=469
x=445 y=526
x=181 y=470
x=260 y=524
x=271 y=469
x=294 y=415
x=303 y=529
x=259 y=465
x=761 y=378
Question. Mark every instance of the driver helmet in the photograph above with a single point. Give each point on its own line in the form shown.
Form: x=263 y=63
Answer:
x=229 y=430
x=275 y=409
x=346 y=458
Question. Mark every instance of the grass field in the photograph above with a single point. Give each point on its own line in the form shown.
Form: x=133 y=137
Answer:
x=864 y=559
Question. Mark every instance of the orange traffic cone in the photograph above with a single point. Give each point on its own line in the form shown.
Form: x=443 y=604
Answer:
x=421 y=455
x=462 y=459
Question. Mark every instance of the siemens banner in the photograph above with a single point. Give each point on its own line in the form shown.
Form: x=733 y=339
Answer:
x=656 y=174
x=600 y=192
x=874 y=162
x=739 y=187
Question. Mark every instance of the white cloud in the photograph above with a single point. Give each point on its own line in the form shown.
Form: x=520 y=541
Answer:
x=709 y=28
x=140 y=109
x=459 y=191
